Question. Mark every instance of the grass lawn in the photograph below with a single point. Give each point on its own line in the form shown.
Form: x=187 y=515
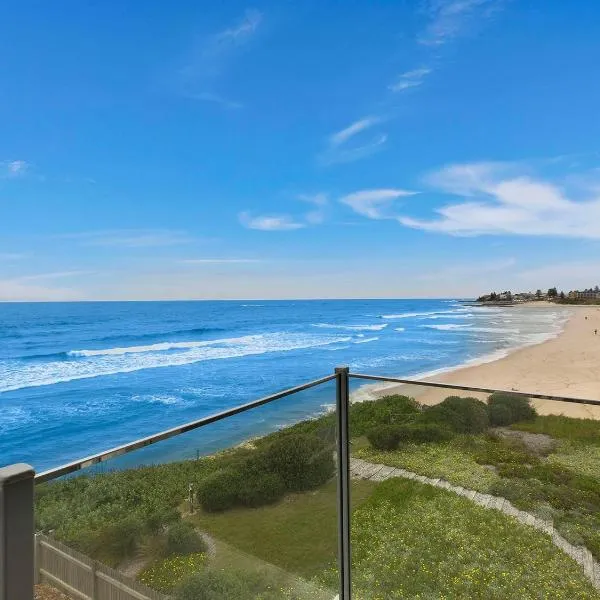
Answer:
x=298 y=534
x=409 y=541
x=414 y=541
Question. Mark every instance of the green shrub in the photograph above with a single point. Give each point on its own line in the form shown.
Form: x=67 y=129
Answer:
x=463 y=415
x=506 y=408
x=164 y=575
x=220 y=491
x=156 y=520
x=114 y=541
x=524 y=494
x=500 y=415
x=323 y=427
x=212 y=584
x=261 y=489
x=389 y=437
x=384 y=437
x=388 y=410
x=423 y=433
x=584 y=431
x=182 y=538
x=492 y=450
x=303 y=461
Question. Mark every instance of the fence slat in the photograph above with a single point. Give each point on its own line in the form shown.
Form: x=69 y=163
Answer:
x=121 y=586
x=66 y=555
x=65 y=586
x=85 y=578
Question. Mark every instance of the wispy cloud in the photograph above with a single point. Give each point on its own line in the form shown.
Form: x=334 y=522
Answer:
x=500 y=198
x=286 y=222
x=345 y=134
x=221 y=261
x=199 y=78
x=13 y=168
x=374 y=204
x=54 y=275
x=240 y=32
x=340 y=147
x=320 y=202
x=216 y=99
x=270 y=222
x=410 y=79
x=447 y=19
x=130 y=238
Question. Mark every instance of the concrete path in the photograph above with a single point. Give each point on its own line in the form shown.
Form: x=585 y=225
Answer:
x=361 y=469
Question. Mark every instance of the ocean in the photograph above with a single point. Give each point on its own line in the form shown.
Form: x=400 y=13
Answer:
x=78 y=378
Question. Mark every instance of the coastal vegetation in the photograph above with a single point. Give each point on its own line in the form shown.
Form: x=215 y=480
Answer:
x=588 y=296
x=264 y=521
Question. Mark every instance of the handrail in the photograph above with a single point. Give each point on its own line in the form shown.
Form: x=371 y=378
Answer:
x=163 y=435
x=467 y=388
x=168 y=433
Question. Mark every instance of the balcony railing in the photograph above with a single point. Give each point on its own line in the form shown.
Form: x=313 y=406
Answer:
x=304 y=554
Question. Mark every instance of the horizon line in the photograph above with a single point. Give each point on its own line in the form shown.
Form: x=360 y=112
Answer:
x=240 y=300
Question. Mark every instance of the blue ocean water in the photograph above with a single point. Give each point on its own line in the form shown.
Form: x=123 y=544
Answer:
x=78 y=378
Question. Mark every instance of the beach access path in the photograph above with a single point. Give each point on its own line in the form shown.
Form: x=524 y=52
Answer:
x=377 y=472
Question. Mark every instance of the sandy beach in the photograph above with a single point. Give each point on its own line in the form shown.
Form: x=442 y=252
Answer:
x=568 y=365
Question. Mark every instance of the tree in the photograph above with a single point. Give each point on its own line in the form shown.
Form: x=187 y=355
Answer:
x=538 y=294
x=597 y=289
x=562 y=295
x=493 y=296
x=552 y=293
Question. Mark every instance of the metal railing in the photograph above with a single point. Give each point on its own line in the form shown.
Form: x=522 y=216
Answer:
x=17 y=557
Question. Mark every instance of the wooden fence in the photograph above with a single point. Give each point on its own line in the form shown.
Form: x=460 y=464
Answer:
x=83 y=578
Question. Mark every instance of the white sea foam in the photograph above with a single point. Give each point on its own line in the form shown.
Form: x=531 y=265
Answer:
x=399 y=329
x=428 y=314
x=504 y=330
x=160 y=347
x=447 y=326
x=451 y=316
x=167 y=399
x=15 y=376
x=407 y=315
x=377 y=327
x=366 y=340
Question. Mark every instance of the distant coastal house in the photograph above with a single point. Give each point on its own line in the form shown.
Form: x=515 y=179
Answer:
x=585 y=294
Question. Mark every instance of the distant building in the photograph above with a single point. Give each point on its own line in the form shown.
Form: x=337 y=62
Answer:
x=524 y=297
x=585 y=295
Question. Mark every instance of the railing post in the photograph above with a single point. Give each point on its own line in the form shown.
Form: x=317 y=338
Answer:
x=16 y=532
x=343 y=487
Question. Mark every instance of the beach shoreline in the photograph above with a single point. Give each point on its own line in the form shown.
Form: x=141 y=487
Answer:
x=566 y=365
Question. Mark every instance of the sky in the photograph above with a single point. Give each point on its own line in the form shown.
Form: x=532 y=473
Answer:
x=202 y=150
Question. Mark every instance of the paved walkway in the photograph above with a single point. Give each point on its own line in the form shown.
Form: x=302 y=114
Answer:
x=376 y=472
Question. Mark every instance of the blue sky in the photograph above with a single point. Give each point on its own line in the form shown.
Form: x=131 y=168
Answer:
x=310 y=149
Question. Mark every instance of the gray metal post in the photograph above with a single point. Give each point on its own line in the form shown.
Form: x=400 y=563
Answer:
x=16 y=532
x=343 y=488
